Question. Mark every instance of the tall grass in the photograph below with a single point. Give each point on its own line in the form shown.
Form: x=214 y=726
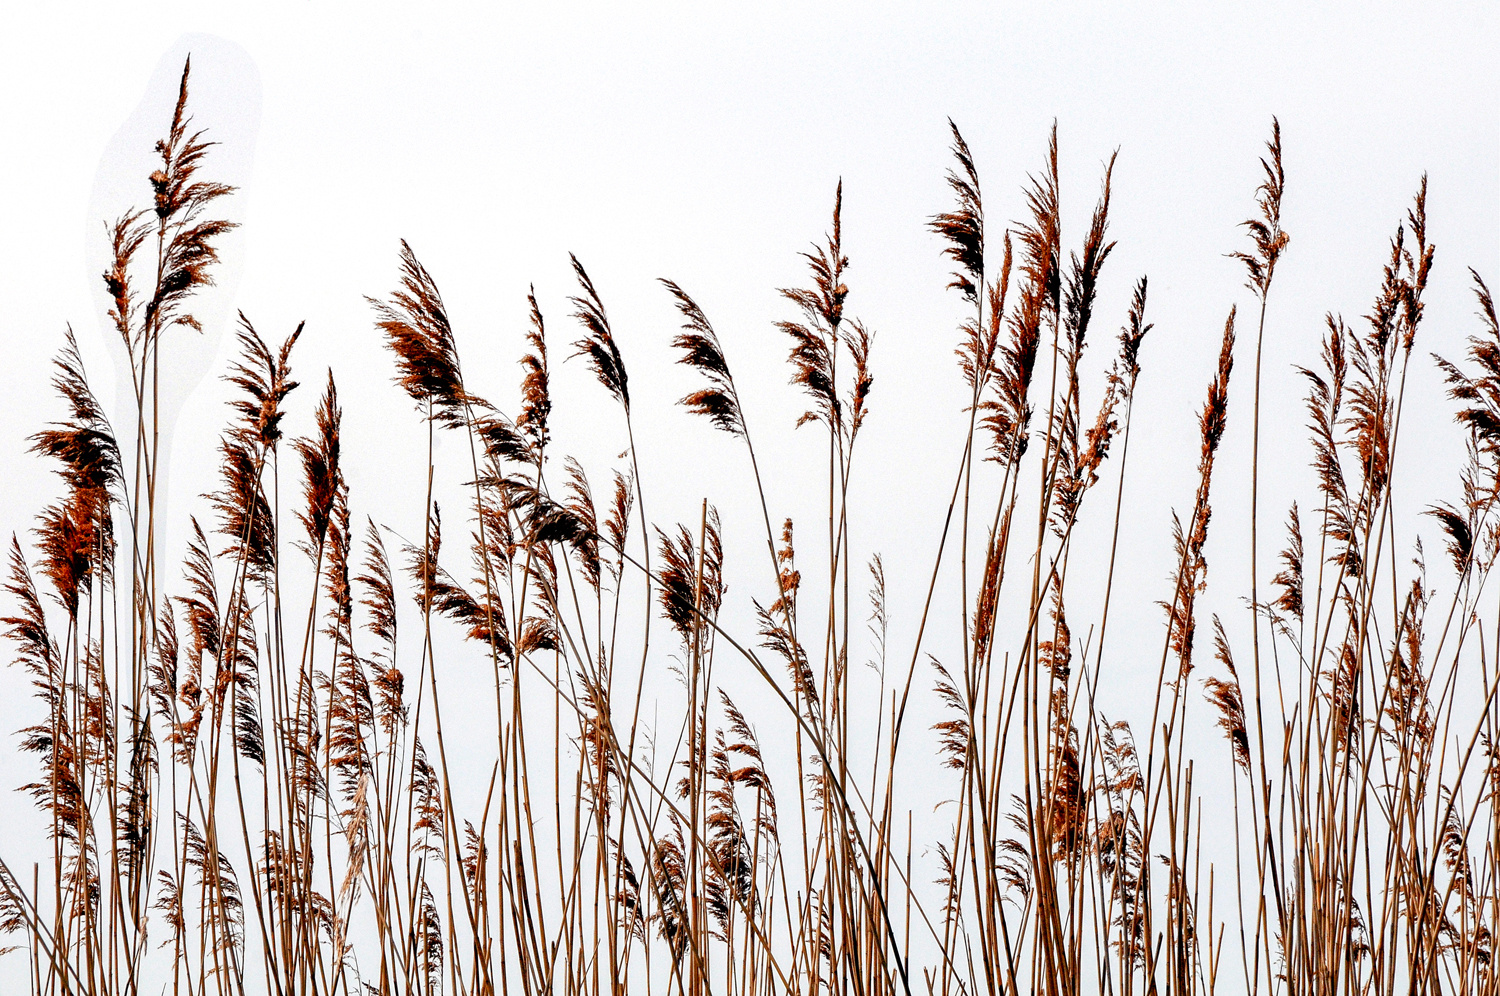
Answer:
x=248 y=784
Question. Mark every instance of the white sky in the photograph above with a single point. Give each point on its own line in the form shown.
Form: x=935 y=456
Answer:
x=706 y=149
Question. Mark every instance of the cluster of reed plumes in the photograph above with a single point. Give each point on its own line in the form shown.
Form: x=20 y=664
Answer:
x=247 y=781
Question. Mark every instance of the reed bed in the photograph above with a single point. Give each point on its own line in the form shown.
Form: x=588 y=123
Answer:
x=248 y=785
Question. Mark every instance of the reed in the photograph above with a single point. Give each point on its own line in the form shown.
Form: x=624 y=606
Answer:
x=248 y=785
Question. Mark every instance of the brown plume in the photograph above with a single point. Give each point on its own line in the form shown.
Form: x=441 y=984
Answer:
x=598 y=342
x=690 y=599
x=188 y=242
x=1265 y=231
x=416 y=327
x=1226 y=697
x=1192 y=570
x=320 y=468
x=815 y=339
x=536 y=399
x=701 y=351
x=963 y=227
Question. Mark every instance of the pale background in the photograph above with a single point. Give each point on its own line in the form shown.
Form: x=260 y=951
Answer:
x=705 y=147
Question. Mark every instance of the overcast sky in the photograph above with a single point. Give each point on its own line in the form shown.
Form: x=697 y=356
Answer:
x=498 y=138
